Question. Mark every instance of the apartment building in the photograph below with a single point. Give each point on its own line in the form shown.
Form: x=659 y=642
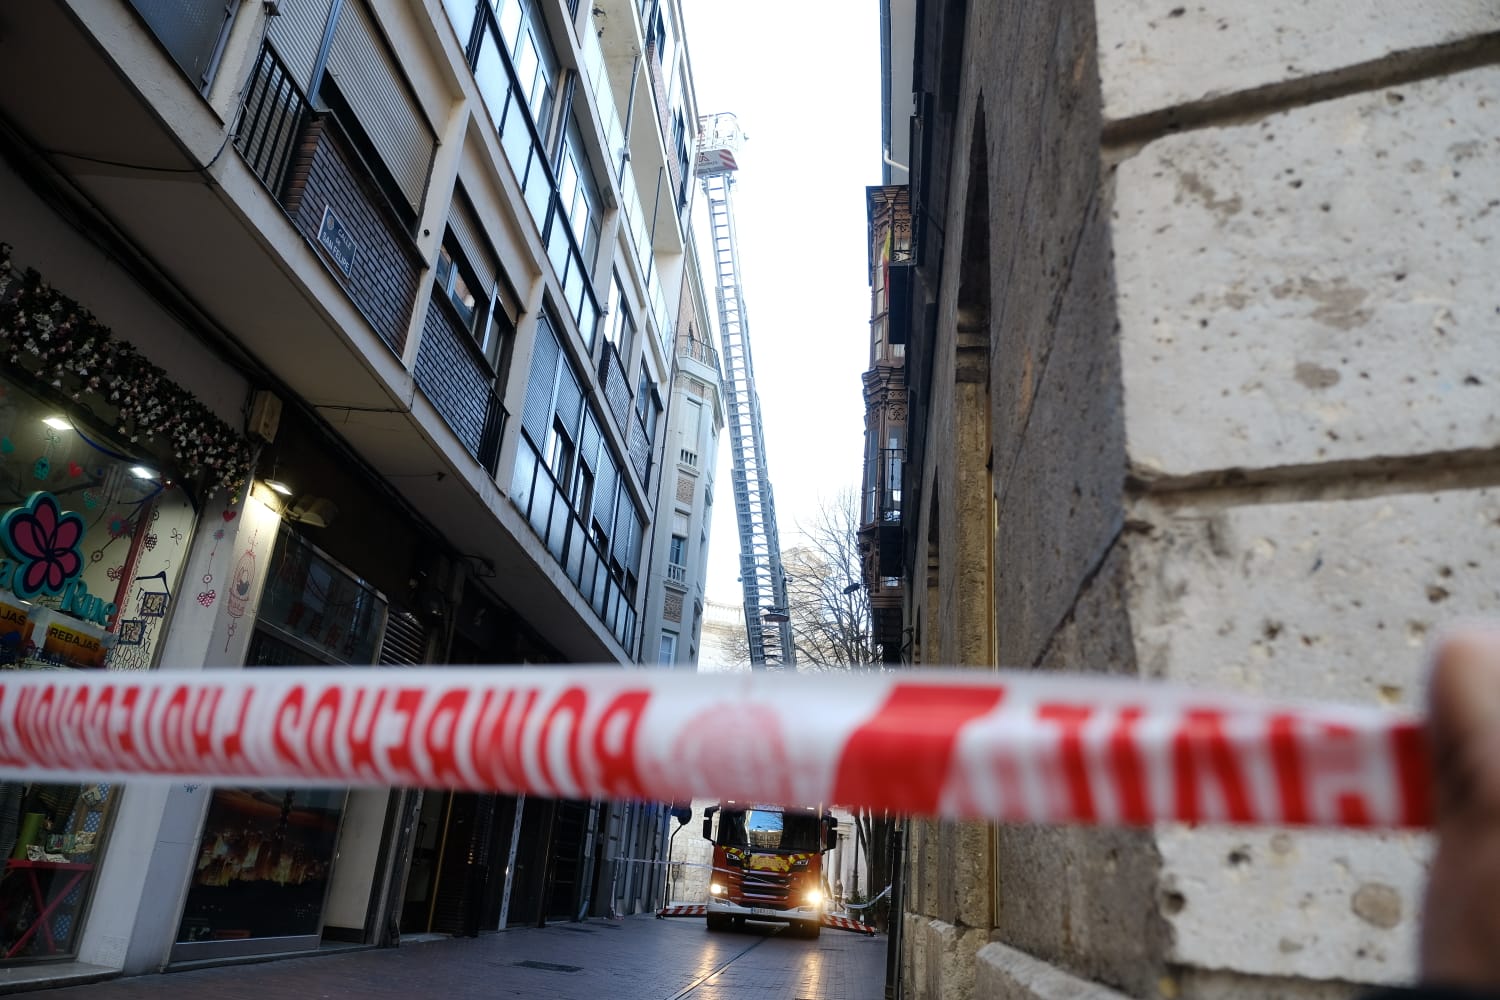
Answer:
x=335 y=332
x=888 y=211
x=676 y=598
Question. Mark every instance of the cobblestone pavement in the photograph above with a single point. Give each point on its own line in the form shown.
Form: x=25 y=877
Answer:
x=638 y=958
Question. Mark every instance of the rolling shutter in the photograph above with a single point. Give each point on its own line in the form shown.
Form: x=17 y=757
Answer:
x=569 y=399
x=362 y=69
x=464 y=222
x=297 y=33
x=536 y=414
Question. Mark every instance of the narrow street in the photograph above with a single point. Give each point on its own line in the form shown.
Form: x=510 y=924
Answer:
x=637 y=958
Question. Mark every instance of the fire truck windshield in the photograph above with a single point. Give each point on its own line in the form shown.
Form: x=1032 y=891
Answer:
x=768 y=830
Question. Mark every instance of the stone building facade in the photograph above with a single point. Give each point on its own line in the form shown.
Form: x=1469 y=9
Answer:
x=1204 y=294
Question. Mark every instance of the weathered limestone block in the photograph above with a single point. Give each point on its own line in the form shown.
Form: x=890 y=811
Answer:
x=1059 y=480
x=913 y=954
x=1155 y=55
x=964 y=877
x=1294 y=903
x=1084 y=899
x=1333 y=600
x=948 y=964
x=1316 y=286
x=1007 y=974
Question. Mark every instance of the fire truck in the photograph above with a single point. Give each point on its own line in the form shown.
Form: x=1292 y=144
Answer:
x=768 y=864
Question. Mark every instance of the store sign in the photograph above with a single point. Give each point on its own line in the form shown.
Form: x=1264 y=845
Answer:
x=43 y=542
x=73 y=645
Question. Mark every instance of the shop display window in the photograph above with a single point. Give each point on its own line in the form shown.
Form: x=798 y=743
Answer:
x=92 y=542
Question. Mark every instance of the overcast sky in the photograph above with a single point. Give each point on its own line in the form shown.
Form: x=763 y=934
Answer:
x=806 y=91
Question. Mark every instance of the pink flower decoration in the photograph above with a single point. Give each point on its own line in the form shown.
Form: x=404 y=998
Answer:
x=45 y=542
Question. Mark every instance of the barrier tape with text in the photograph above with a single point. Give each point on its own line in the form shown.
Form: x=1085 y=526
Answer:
x=961 y=744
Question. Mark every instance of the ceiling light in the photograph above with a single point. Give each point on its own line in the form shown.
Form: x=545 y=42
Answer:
x=57 y=423
x=279 y=487
x=141 y=472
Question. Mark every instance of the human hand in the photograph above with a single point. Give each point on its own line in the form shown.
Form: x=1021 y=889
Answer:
x=1461 y=923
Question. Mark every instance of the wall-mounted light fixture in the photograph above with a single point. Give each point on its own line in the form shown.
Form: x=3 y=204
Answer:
x=57 y=423
x=315 y=512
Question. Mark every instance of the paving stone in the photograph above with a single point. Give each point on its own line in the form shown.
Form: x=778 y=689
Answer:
x=637 y=958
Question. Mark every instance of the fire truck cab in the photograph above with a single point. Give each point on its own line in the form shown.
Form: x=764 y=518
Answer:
x=768 y=864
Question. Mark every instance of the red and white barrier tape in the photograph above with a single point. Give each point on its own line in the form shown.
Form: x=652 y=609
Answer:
x=1023 y=747
x=846 y=924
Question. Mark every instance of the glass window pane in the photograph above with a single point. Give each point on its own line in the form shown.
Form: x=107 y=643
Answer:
x=510 y=22
x=463 y=299
x=567 y=184
x=494 y=84
x=526 y=67
x=461 y=13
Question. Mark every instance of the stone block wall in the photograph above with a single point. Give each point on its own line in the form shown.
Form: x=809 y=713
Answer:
x=1243 y=432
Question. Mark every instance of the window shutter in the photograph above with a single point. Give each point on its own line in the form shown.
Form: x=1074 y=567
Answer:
x=378 y=96
x=605 y=485
x=297 y=35
x=536 y=414
x=624 y=520
x=464 y=222
x=588 y=443
x=569 y=399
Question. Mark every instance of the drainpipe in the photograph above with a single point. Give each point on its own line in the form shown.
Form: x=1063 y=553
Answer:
x=635 y=78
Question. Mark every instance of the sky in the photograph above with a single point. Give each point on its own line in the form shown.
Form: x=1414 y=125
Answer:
x=806 y=92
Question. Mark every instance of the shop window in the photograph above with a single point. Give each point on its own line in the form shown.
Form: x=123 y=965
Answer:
x=91 y=550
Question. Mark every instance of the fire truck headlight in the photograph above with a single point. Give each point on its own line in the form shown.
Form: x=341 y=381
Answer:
x=716 y=889
x=814 y=897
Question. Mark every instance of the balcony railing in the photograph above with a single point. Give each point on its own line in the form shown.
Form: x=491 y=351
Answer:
x=676 y=574
x=687 y=459
x=271 y=119
x=700 y=351
x=545 y=504
x=457 y=380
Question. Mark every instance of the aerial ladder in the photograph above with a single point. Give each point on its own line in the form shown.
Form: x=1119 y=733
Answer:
x=767 y=617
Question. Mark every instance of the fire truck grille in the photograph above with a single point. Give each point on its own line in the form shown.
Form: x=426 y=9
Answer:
x=765 y=887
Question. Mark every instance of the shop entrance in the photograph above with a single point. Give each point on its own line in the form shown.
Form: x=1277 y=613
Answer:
x=457 y=877
x=278 y=867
